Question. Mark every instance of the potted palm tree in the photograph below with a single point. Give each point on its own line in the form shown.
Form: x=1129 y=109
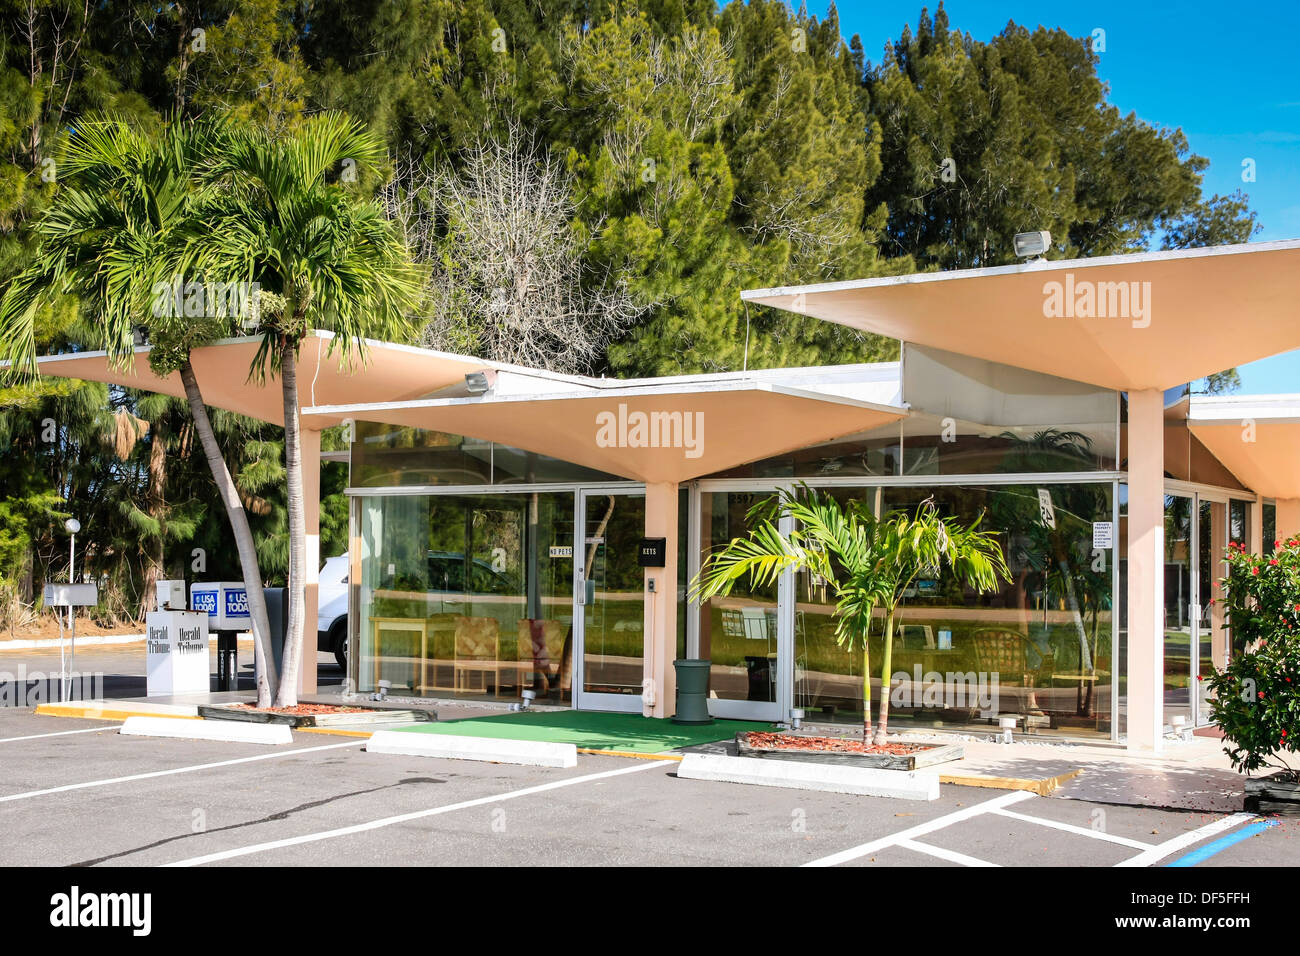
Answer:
x=869 y=563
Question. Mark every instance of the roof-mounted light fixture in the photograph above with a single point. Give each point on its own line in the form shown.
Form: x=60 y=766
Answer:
x=1032 y=245
x=478 y=383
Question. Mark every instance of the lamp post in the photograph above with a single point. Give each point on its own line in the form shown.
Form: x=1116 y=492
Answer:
x=72 y=526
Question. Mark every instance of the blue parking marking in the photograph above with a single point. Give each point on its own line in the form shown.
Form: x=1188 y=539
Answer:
x=1201 y=854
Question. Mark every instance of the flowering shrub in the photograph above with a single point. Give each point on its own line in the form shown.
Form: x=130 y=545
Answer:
x=1256 y=699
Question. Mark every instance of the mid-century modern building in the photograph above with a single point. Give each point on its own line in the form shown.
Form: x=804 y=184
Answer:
x=506 y=522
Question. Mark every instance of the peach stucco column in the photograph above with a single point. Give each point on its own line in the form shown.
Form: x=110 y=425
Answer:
x=311 y=508
x=1146 y=532
x=659 y=681
x=1288 y=519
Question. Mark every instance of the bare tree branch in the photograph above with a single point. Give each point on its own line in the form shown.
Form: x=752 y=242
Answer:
x=509 y=276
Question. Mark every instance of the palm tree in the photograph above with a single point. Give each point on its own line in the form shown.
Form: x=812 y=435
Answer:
x=323 y=258
x=869 y=563
x=125 y=219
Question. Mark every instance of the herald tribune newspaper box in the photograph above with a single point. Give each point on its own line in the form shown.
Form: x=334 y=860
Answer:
x=176 y=652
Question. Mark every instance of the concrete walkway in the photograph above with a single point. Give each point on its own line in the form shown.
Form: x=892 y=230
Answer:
x=1191 y=775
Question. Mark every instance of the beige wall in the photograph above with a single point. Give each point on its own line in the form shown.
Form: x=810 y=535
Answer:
x=1288 y=518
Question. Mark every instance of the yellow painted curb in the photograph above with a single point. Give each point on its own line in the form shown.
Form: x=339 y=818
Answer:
x=1042 y=787
x=101 y=713
x=629 y=753
x=333 y=732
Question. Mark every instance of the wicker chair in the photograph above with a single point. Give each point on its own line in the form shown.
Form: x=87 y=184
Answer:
x=476 y=652
x=1006 y=653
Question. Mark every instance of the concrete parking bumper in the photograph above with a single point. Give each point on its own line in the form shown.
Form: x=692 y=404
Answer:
x=797 y=775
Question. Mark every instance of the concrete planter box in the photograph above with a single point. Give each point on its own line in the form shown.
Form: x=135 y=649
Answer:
x=925 y=755
x=1276 y=793
x=379 y=717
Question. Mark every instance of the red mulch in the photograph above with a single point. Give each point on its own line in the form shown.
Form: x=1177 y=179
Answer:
x=767 y=741
x=303 y=710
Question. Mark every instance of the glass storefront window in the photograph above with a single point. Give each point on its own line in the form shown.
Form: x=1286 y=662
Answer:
x=1039 y=647
x=738 y=632
x=875 y=452
x=970 y=416
x=466 y=595
x=385 y=456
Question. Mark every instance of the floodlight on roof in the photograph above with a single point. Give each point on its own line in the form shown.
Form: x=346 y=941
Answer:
x=1031 y=245
x=478 y=383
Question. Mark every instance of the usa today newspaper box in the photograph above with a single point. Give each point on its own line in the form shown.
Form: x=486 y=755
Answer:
x=226 y=604
x=176 y=652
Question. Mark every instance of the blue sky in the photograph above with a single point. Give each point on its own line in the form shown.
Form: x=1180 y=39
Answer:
x=1228 y=74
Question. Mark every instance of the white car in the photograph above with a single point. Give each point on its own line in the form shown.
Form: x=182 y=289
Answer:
x=332 y=609
x=446 y=568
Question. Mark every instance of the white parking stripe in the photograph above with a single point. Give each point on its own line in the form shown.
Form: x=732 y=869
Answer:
x=1158 y=852
x=61 y=733
x=163 y=773
x=952 y=856
x=406 y=817
x=923 y=828
x=1071 y=828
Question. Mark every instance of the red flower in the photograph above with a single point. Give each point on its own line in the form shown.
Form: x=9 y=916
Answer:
x=1254 y=570
x=1272 y=560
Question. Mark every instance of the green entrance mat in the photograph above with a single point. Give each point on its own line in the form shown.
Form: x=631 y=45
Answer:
x=591 y=730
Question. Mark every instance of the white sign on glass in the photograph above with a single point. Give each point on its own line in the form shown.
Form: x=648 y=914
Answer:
x=1045 y=509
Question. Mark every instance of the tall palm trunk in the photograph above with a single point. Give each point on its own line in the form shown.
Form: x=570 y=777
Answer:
x=157 y=499
x=866 y=686
x=287 y=696
x=887 y=660
x=243 y=534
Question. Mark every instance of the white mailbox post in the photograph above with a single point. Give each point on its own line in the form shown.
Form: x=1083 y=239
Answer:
x=176 y=652
x=69 y=596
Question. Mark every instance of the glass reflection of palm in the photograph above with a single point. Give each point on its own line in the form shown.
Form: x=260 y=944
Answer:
x=1051 y=557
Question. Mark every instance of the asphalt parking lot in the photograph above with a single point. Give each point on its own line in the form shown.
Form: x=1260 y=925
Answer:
x=75 y=792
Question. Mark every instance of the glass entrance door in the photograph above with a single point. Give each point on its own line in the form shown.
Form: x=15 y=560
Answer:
x=1197 y=530
x=609 y=594
x=1181 y=612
